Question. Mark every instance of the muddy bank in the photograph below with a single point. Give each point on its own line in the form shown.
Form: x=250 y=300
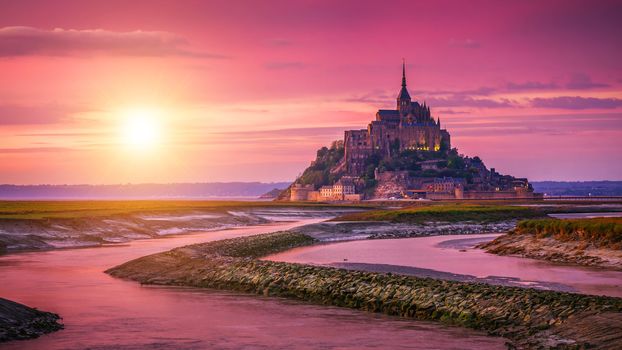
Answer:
x=330 y=231
x=19 y=321
x=594 y=241
x=551 y=249
x=88 y=231
x=530 y=318
x=429 y=273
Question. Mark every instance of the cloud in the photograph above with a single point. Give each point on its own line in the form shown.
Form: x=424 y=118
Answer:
x=576 y=102
x=545 y=124
x=451 y=111
x=459 y=100
x=464 y=43
x=288 y=132
x=530 y=86
x=376 y=97
x=581 y=81
x=285 y=65
x=33 y=150
x=41 y=114
x=25 y=41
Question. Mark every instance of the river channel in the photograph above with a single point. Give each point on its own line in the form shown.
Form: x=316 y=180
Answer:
x=101 y=312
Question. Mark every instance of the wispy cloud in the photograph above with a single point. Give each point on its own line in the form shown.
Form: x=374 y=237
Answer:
x=576 y=102
x=40 y=114
x=531 y=86
x=24 y=41
x=285 y=65
x=459 y=100
x=582 y=81
x=34 y=150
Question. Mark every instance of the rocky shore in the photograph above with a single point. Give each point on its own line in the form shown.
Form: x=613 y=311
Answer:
x=551 y=249
x=588 y=242
x=19 y=321
x=529 y=318
x=331 y=231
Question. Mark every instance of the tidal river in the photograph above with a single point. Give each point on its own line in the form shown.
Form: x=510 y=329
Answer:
x=455 y=257
x=101 y=312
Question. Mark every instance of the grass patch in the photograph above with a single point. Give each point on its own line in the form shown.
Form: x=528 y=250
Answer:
x=446 y=212
x=80 y=209
x=602 y=232
x=256 y=246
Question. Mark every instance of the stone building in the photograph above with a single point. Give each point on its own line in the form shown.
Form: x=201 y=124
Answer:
x=446 y=184
x=408 y=127
x=343 y=189
x=300 y=192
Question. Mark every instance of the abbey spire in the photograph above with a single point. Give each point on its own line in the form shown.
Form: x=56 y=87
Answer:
x=403 y=99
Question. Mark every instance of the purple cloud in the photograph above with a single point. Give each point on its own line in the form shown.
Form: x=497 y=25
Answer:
x=576 y=102
x=451 y=111
x=24 y=41
x=581 y=81
x=468 y=101
x=531 y=86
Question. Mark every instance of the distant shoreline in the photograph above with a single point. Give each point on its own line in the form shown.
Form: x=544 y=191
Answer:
x=207 y=190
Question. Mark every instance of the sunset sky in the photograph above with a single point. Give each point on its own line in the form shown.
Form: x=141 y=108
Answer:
x=198 y=91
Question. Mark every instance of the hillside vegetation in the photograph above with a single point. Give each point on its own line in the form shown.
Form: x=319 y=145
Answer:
x=319 y=172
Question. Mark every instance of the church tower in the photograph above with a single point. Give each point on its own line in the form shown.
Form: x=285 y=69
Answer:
x=403 y=99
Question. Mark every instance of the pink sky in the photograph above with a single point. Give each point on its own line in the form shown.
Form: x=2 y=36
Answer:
x=248 y=90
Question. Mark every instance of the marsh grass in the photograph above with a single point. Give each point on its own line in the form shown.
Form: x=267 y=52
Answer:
x=82 y=209
x=602 y=232
x=446 y=213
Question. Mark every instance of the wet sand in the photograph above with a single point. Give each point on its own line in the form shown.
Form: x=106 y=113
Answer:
x=453 y=257
x=103 y=312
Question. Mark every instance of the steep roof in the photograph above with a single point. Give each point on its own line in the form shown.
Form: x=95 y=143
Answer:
x=404 y=95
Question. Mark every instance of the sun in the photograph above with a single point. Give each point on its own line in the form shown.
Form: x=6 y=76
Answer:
x=141 y=128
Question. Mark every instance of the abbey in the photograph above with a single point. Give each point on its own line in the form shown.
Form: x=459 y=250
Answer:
x=403 y=153
x=408 y=127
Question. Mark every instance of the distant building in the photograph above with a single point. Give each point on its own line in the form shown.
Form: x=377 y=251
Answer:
x=300 y=192
x=446 y=184
x=343 y=190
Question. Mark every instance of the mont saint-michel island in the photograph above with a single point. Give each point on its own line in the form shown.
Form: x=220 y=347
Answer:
x=403 y=153
x=310 y=175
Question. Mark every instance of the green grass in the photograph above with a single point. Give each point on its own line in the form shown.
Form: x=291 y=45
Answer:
x=256 y=246
x=445 y=212
x=602 y=232
x=81 y=209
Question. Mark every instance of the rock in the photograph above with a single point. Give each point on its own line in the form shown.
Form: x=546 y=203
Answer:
x=19 y=321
